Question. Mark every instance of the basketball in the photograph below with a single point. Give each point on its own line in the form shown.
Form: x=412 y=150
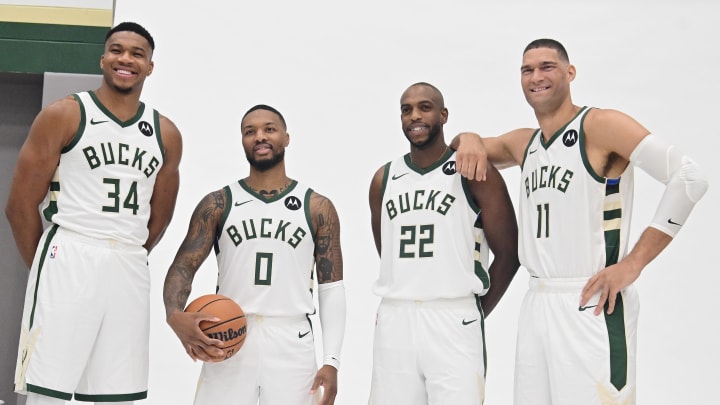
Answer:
x=232 y=326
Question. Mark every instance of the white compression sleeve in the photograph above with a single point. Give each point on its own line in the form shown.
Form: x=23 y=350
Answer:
x=331 y=297
x=685 y=182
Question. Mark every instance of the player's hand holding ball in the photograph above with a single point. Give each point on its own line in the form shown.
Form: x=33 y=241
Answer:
x=223 y=326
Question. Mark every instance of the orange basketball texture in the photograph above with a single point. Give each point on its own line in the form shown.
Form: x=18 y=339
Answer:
x=232 y=326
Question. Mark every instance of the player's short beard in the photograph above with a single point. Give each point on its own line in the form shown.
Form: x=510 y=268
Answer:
x=435 y=130
x=265 y=165
x=121 y=90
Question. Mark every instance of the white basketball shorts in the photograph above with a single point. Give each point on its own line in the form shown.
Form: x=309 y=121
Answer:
x=568 y=356
x=428 y=352
x=276 y=365
x=85 y=327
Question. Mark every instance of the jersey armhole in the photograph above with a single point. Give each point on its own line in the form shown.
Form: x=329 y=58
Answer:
x=81 y=126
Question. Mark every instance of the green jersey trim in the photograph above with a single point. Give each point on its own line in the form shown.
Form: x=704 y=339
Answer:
x=158 y=135
x=438 y=163
x=560 y=131
x=46 y=245
x=111 y=397
x=308 y=216
x=124 y=124
x=583 y=153
x=81 y=127
x=67 y=396
x=617 y=338
x=386 y=174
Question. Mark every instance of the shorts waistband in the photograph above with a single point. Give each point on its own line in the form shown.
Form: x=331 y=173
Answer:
x=275 y=320
x=574 y=284
x=107 y=243
x=436 y=303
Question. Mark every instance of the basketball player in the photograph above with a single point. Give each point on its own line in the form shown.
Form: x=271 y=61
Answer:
x=268 y=232
x=575 y=205
x=108 y=164
x=433 y=230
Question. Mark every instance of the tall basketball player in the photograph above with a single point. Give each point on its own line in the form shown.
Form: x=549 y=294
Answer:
x=575 y=205
x=433 y=230
x=272 y=235
x=108 y=165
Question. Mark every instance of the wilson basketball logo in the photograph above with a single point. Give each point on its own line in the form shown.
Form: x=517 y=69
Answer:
x=229 y=335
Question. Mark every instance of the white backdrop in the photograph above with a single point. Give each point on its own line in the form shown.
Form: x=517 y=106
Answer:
x=336 y=71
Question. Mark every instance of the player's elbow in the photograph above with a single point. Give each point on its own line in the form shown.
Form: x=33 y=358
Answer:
x=14 y=212
x=695 y=179
x=507 y=260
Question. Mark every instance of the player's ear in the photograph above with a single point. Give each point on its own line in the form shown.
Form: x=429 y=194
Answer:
x=444 y=115
x=287 y=139
x=571 y=73
x=152 y=66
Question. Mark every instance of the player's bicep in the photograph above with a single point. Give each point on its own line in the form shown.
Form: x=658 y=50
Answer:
x=328 y=252
x=375 y=200
x=202 y=230
x=52 y=129
x=613 y=132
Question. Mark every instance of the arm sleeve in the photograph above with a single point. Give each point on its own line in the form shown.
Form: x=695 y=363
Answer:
x=331 y=299
x=685 y=182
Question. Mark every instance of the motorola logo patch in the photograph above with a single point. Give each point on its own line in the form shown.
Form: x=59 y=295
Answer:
x=145 y=128
x=570 y=138
x=293 y=203
x=449 y=168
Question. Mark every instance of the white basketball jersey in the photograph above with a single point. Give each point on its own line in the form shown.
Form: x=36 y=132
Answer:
x=573 y=222
x=104 y=182
x=432 y=240
x=266 y=251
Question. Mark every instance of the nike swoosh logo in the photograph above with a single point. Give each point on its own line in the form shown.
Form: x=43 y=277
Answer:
x=93 y=122
x=670 y=221
x=586 y=307
x=302 y=335
x=464 y=322
x=237 y=204
x=397 y=176
x=532 y=151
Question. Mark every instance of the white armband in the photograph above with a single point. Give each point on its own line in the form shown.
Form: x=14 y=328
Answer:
x=684 y=180
x=331 y=297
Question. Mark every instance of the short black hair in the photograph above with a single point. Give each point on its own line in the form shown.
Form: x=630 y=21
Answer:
x=132 y=27
x=549 y=43
x=266 y=108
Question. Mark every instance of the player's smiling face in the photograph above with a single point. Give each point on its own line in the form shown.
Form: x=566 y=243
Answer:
x=127 y=61
x=422 y=114
x=545 y=78
x=264 y=139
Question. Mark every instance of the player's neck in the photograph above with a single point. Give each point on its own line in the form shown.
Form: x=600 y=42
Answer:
x=268 y=183
x=425 y=157
x=552 y=120
x=123 y=105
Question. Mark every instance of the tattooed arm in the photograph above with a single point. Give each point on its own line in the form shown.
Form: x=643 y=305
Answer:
x=328 y=255
x=331 y=292
x=178 y=281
